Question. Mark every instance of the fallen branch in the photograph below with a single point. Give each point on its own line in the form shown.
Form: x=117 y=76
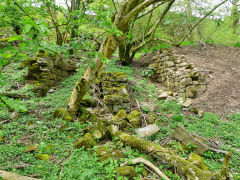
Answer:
x=169 y=156
x=149 y=164
x=15 y=96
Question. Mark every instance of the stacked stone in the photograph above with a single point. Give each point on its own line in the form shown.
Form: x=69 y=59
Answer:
x=46 y=71
x=114 y=89
x=177 y=75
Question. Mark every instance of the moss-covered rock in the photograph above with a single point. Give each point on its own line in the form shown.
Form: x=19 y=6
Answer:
x=104 y=153
x=121 y=119
x=113 y=99
x=87 y=141
x=86 y=116
x=86 y=102
x=126 y=171
x=100 y=131
x=198 y=161
x=121 y=115
x=63 y=113
x=134 y=118
x=44 y=157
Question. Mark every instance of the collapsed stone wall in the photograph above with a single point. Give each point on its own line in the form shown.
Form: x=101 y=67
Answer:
x=113 y=86
x=176 y=74
x=46 y=71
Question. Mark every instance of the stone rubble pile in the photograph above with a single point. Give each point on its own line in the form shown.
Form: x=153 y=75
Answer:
x=46 y=71
x=113 y=86
x=177 y=75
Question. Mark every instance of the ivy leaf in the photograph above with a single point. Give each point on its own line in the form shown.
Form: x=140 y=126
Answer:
x=15 y=38
x=27 y=27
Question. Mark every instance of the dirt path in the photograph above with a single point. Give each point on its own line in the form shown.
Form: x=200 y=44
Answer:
x=221 y=64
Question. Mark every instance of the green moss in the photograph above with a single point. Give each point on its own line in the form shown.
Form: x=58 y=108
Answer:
x=44 y=157
x=198 y=161
x=126 y=171
x=63 y=113
x=100 y=131
x=121 y=115
x=86 y=102
x=134 y=118
x=87 y=142
x=1 y=139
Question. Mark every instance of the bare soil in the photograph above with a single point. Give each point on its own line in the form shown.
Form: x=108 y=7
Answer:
x=221 y=65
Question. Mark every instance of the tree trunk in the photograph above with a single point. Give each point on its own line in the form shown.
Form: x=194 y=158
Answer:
x=235 y=15
x=189 y=18
x=125 y=54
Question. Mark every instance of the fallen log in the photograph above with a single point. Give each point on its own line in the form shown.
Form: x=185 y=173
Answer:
x=169 y=156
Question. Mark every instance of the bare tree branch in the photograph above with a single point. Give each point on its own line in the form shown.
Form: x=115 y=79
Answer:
x=210 y=12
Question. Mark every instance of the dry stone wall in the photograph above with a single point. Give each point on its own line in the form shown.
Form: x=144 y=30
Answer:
x=178 y=75
x=46 y=71
x=113 y=86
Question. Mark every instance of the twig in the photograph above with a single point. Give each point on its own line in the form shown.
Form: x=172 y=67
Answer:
x=139 y=107
x=218 y=151
x=150 y=10
x=114 y=5
x=149 y=164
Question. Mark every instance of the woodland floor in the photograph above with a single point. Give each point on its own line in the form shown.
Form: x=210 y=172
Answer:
x=36 y=125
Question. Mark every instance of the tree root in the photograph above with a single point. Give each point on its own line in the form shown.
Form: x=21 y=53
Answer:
x=149 y=164
x=169 y=156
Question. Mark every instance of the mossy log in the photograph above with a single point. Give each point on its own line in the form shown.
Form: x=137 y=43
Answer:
x=169 y=156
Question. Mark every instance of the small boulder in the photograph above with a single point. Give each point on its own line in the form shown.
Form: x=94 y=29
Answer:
x=164 y=95
x=148 y=106
x=134 y=118
x=63 y=113
x=100 y=131
x=121 y=115
x=87 y=141
x=126 y=171
x=148 y=130
x=121 y=119
x=31 y=148
x=187 y=104
x=15 y=115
